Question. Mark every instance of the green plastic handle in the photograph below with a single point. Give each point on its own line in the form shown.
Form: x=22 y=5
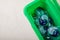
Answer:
x=55 y=10
x=51 y=6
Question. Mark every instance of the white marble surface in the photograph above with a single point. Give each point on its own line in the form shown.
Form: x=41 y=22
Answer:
x=13 y=24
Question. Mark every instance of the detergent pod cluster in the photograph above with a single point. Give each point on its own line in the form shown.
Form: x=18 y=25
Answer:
x=45 y=24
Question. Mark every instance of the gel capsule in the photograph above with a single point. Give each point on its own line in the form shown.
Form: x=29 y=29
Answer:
x=43 y=20
x=53 y=31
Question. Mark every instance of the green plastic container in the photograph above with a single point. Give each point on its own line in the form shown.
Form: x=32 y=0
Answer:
x=51 y=6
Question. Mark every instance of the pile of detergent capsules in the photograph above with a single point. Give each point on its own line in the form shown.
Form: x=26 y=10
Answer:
x=45 y=24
